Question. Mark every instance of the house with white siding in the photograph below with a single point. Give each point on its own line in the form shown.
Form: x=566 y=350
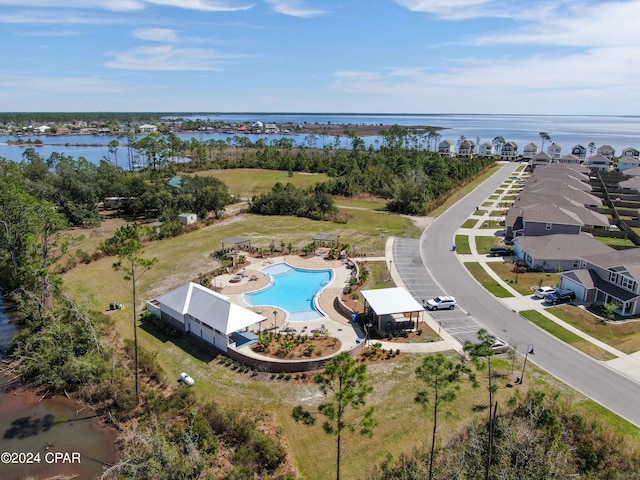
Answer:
x=447 y=148
x=555 y=151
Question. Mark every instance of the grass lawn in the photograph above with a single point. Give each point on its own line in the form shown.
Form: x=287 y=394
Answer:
x=525 y=280
x=462 y=245
x=484 y=244
x=470 y=223
x=487 y=204
x=509 y=197
x=491 y=224
x=624 y=336
x=479 y=212
x=616 y=241
x=566 y=336
x=497 y=213
x=464 y=190
x=494 y=197
x=246 y=182
x=486 y=280
x=366 y=204
x=498 y=191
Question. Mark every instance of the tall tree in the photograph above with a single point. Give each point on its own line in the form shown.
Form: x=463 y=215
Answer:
x=544 y=136
x=592 y=148
x=134 y=267
x=346 y=382
x=481 y=353
x=443 y=378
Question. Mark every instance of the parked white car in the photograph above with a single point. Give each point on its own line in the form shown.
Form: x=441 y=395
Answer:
x=187 y=379
x=441 y=302
x=542 y=292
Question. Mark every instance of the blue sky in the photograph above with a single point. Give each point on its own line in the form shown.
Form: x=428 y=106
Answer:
x=365 y=56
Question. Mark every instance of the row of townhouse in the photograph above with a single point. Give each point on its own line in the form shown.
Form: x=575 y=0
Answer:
x=547 y=223
x=602 y=160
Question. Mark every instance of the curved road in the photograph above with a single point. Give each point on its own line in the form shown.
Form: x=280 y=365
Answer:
x=594 y=379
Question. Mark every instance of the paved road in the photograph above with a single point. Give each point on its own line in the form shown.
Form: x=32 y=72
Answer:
x=594 y=379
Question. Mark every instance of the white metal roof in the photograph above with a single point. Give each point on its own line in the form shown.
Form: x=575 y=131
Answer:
x=391 y=300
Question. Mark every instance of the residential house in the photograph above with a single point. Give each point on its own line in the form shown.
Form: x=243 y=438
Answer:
x=606 y=151
x=271 y=128
x=570 y=159
x=555 y=151
x=467 y=148
x=447 y=148
x=607 y=278
x=540 y=159
x=579 y=151
x=541 y=219
x=175 y=183
x=207 y=315
x=486 y=149
x=509 y=151
x=257 y=127
x=627 y=163
x=557 y=252
x=599 y=163
x=630 y=152
x=529 y=152
x=148 y=128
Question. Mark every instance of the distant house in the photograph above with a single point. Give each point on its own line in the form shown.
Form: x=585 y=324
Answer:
x=257 y=127
x=555 y=151
x=606 y=151
x=599 y=163
x=628 y=163
x=557 y=252
x=174 y=183
x=187 y=218
x=540 y=159
x=530 y=151
x=570 y=159
x=148 y=128
x=467 y=148
x=607 y=278
x=447 y=148
x=486 y=149
x=630 y=152
x=271 y=128
x=509 y=151
x=579 y=151
x=205 y=314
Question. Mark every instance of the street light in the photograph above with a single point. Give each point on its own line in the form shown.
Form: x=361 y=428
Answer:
x=526 y=356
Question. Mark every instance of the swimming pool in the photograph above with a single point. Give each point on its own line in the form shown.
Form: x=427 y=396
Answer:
x=292 y=289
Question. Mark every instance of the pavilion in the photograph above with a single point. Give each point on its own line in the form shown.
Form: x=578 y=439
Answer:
x=392 y=310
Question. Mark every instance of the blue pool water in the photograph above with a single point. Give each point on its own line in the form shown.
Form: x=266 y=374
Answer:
x=293 y=289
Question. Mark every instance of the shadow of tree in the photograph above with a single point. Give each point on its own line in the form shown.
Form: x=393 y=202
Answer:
x=29 y=427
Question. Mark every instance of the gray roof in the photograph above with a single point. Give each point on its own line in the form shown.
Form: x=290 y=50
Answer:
x=562 y=247
x=588 y=217
x=536 y=182
x=633 y=182
x=628 y=260
x=634 y=172
x=574 y=195
x=550 y=214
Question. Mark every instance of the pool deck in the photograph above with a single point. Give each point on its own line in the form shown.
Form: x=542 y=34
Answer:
x=336 y=324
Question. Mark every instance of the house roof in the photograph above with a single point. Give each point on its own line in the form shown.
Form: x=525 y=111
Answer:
x=633 y=182
x=543 y=156
x=550 y=214
x=586 y=278
x=624 y=260
x=554 y=146
x=175 y=182
x=634 y=172
x=531 y=146
x=599 y=159
x=590 y=279
x=561 y=247
x=536 y=182
x=631 y=149
x=588 y=217
x=386 y=301
x=210 y=307
x=577 y=171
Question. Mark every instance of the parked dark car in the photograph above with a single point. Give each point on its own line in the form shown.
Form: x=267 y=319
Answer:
x=560 y=296
x=500 y=252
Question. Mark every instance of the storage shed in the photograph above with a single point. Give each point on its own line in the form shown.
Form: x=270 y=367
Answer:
x=187 y=218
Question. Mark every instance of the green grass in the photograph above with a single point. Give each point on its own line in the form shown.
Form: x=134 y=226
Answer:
x=361 y=204
x=479 y=212
x=607 y=417
x=498 y=191
x=491 y=285
x=497 y=213
x=617 y=242
x=566 y=336
x=525 y=281
x=462 y=245
x=487 y=204
x=491 y=224
x=470 y=223
x=484 y=244
x=494 y=197
x=246 y=182
x=464 y=190
x=624 y=336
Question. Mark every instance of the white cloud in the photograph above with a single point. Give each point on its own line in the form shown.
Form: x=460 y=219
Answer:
x=117 y=5
x=168 y=58
x=29 y=17
x=294 y=8
x=462 y=9
x=203 y=5
x=156 y=34
x=60 y=85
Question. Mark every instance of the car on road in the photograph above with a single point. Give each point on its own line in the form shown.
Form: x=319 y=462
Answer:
x=500 y=252
x=560 y=296
x=187 y=379
x=499 y=346
x=542 y=292
x=441 y=302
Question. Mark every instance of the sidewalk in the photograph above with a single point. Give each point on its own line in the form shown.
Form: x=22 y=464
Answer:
x=627 y=364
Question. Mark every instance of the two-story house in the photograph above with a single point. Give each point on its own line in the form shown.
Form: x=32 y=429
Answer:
x=467 y=148
x=447 y=148
x=486 y=149
x=599 y=163
x=555 y=151
x=606 y=151
x=629 y=159
x=530 y=150
x=509 y=151
x=570 y=159
x=579 y=151
x=607 y=278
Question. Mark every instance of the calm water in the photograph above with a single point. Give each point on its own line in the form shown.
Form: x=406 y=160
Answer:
x=567 y=131
x=46 y=428
x=293 y=290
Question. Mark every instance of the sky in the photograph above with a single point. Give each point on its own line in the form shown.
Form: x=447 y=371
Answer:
x=572 y=57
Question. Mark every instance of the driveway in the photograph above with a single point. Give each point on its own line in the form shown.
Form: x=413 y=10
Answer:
x=479 y=309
